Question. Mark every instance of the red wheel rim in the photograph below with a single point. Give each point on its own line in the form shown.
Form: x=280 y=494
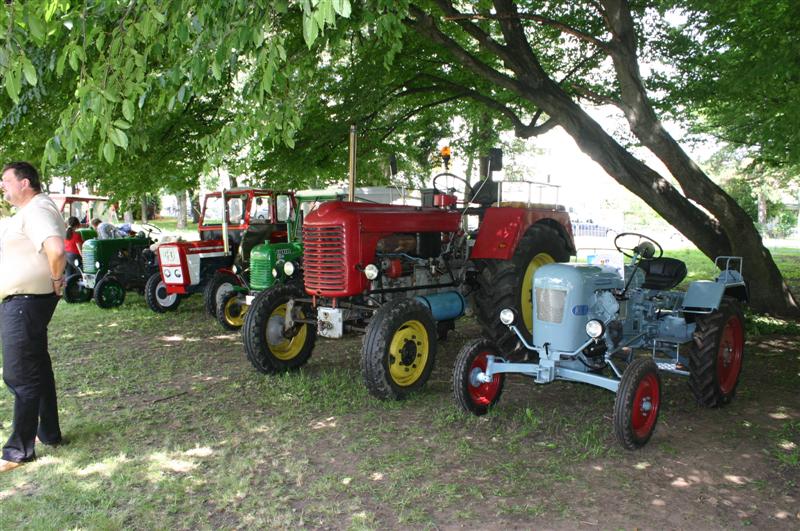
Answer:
x=729 y=357
x=645 y=406
x=484 y=393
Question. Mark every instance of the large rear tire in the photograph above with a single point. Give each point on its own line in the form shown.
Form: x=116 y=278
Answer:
x=156 y=296
x=470 y=394
x=75 y=291
x=215 y=290
x=637 y=404
x=109 y=293
x=268 y=347
x=716 y=354
x=232 y=310
x=399 y=349
x=508 y=284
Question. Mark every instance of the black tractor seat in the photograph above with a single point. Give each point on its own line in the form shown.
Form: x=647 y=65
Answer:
x=662 y=273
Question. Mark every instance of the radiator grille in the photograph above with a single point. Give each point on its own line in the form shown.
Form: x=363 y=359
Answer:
x=261 y=270
x=87 y=254
x=323 y=259
x=550 y=305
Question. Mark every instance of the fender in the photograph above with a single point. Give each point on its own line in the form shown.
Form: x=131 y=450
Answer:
x=503 y=227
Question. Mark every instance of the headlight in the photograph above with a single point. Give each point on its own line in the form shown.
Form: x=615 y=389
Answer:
x=274 y=272
x=371 y=271
x=507 y=316
x=288 y=268
x=235 y=269
x=595 y=328
x=77 y=262
x=97 y=265
x=177 y=272
x=167 y=273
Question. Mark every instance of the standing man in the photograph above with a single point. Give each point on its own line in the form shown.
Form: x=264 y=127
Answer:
x=31 y=280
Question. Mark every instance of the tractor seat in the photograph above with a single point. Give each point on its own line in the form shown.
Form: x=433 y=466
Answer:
x=662 y=273
x=484 y=193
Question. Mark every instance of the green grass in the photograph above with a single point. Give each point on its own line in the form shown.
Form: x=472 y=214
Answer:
x=170 y=427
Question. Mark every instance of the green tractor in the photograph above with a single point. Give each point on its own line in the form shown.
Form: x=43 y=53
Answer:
x=112 y=267
x=271 y=263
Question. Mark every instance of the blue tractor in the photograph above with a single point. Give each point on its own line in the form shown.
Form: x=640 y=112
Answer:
x=592 y=324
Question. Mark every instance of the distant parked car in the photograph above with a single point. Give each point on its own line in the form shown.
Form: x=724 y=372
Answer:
x=587 y=227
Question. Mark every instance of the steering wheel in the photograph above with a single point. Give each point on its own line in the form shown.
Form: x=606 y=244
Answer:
x=641 y=248
x=150 y=228
x=466 y=190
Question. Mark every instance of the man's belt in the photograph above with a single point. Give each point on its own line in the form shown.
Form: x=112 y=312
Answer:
x=30 y=296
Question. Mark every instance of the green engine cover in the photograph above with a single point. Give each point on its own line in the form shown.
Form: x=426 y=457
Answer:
x=263 y=258
x=102 y=251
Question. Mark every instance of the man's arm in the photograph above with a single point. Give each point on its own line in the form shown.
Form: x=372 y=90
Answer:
x=54 y=249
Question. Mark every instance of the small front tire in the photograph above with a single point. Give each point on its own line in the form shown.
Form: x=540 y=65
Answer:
x=75 y=290
x=471 y=394
x=157 y=297
x=232 y=310
x=109 y=293
x=637 y=404
x=217 y=287
x=399 y=349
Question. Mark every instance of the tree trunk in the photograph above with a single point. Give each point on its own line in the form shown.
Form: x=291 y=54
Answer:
x=144 y=208
x=732 y=232
x=194 y=200
x=181 y=224
x=762 y=208
x=127 y=217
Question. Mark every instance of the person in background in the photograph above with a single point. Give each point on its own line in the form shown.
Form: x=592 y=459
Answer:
x=72 y=246
x=106 y=230
x=31 y=281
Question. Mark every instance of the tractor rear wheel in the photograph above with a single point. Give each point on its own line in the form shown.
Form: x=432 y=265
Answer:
x=399 y=349
x=156 y=296
x=472 y=395
x=217 y=287
x=109 y=293
x=75 y=290
x=232 y=310
x=716 y=354
x=269 y=347
x=637 y=404
x=508 y=284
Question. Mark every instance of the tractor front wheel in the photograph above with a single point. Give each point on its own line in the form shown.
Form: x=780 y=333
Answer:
x=268 y=345
x=399 y=349
x=637 y=404
x=109 y=293
x=157 y=297
x=716 y=354
x=232 y=310
x=508 y=284
x=75 y=290
x=217 y=287
x=471 y=394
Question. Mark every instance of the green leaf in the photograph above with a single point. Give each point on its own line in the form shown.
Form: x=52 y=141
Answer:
x=122 y=124
x=29 y=71
x=108 y=152
x=128 y=110
x=158 y=16
x=342 y=8
x=12 y=84
x=36 y=27
x=310 y=30
x=73 y=60
x=101 y=40
x=215 y=71
x=118 y=137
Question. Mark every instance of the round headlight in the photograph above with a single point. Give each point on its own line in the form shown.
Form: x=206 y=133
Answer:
x=594 y=328
x=507 y=316
x=371 y=271
x=274 y=272
x=288 y=268
x=97 y=265
x=77 y=262
x=167 y=273
x=235 y=269
x=177 y=272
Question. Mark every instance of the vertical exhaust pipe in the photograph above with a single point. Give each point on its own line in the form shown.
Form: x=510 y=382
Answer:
x=351 y=188
x=224 y=222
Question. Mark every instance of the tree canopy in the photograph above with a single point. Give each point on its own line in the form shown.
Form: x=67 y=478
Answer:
x=291 y=75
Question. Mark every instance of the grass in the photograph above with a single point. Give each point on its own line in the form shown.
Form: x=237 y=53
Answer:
x=169 y=427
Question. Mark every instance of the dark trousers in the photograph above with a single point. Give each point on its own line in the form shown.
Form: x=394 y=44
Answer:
x=70 y=268
x=28 y=373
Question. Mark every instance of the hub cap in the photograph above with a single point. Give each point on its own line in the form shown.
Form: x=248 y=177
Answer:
x=284 y=348
x=408 y=353
x=482 y=393
x=645 y=406
x=729 y=357
x=235 y=312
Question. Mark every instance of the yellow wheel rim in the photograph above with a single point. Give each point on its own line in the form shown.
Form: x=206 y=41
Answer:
x=235 y=311
x=526 y=302
x=288 y=348
x=408 y=353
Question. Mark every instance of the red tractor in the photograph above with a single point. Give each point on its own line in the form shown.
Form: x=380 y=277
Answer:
x=401 y=275
x=245 y=217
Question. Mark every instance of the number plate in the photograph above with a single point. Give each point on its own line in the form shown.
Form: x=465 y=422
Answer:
x=169 y=255
x=330 y=322
x=89 y=280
